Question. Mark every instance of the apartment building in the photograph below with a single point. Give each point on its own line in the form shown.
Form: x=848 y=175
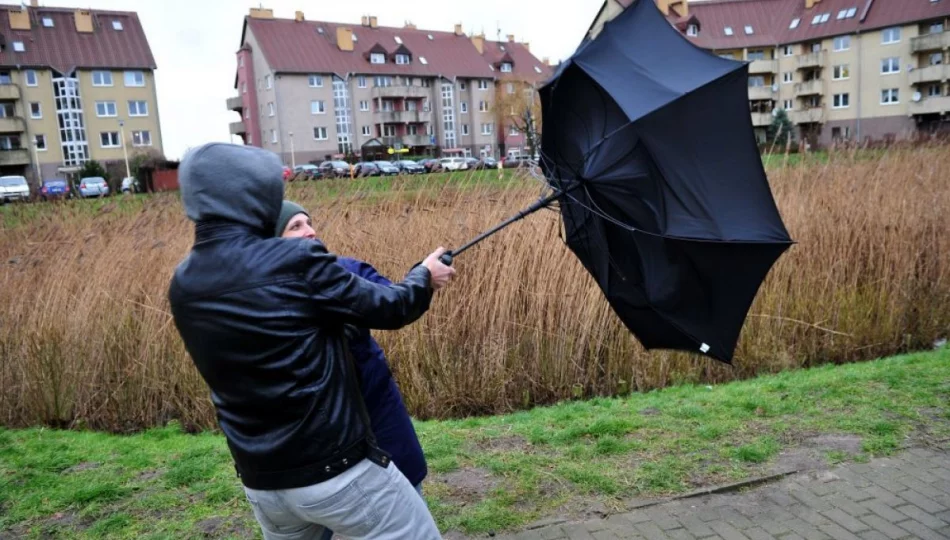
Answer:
x=310 y=90
x=72 y=83
x=842 y=69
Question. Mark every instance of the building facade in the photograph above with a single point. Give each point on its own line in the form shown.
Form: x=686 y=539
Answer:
x=72 y=83
x=312 y=90
x=842 y=69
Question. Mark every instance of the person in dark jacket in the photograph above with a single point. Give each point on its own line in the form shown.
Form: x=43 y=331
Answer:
x=388 y=415
x=265 y=321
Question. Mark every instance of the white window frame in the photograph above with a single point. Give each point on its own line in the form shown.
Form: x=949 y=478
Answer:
x=483 y=84
x=31 y=73
x=842 y=43
x=794 y=24
x=837 y=72
x=271 y=110
x=749 y=30
x=402 y=59
x=463 y=106
x=788 y=50
x=318 y=106
x=19 y=46
x=891 y=92
x=465 y=131
x=117 y=139
x=361 y=81
x=788 y=105
x=788 y=77
x=40 y=107
x=513 y=131
x=36 y=142
x=728 y=31
x=506 y=67
x=887 y=35
x=138 y=134
x=366 y=131
x=482 y=106
x=103 y=75
x=364 y=106
x=105 y=107
x=48 y=22
x=273 y=136
x=117 y=25
x=377 y=58
x=315 y=81
x=838 y=101
x=692 y=30
x=138 y=111
x=317 y=130
x=888 y=67
x=268 y=82
x=488 y=128
x=134 y=74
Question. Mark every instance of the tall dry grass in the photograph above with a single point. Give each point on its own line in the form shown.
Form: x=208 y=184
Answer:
x=86 y=337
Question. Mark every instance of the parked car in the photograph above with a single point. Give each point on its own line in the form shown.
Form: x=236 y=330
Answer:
x=308 y=171
x=93 y=186
x=367 y=168
x=54 y=189
x=14 y=188
x=431 y=165
x=386 y=168
x=453 y=164
x=489 y=163
x=407 y=166
x=472 y=163
x=130 y=184
x=338 y=169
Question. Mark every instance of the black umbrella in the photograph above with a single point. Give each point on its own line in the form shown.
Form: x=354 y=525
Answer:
x=648 y=146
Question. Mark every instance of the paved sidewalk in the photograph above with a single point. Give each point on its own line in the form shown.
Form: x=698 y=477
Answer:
x=907 y=496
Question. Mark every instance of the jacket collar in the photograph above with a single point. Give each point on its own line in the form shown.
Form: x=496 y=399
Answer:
x=212 y=230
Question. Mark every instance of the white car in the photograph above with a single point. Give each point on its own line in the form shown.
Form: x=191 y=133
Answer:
x=14 y=188
x=453 y=164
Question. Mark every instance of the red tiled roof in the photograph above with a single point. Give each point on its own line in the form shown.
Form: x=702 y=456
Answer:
x=299 y=47
x=63 y=48
x=771 y=19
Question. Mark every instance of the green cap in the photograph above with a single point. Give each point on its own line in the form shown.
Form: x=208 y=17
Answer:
x=288 y=209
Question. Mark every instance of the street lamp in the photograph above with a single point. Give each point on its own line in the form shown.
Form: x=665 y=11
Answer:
x=125 y=151
x=293 y=157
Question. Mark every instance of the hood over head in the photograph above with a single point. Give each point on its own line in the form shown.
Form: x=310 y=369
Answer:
x=233 y=183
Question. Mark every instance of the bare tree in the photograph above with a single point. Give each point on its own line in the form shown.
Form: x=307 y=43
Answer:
x=517 y=104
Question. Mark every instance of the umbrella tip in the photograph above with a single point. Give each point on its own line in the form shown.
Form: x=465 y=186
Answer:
x=704 y=348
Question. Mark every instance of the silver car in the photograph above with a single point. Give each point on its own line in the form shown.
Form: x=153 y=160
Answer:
x=14 y=188
x=93 y=186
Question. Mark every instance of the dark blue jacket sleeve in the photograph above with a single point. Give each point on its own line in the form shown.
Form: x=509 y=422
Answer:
x=363 y=269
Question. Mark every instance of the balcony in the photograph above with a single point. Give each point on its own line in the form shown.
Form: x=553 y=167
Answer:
x=19 y=156
x=761 y=119
x=238 y=128
x=811 y=60
x=930 y=42
x=810 y=88
x=9 y=92
x=930 y=74
x=758 y=67
x=408 y=140
x=236 y=104
x=400 y=117
x=760 y=93
x=401 y=92
x=931 y=105
x=813 y=115
x=12 y=124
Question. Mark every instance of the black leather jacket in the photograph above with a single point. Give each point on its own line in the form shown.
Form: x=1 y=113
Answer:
x=263 y=319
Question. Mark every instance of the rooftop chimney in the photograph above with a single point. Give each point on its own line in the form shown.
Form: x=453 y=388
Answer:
x=479 y=43
x=811 y=3
x=344 y=39
x=410 y=26
x=261 y=13
x=298 y=16
x=364 y=20
x=19 y=20
x=373 y=23
x=84 y=21
x=680 y=7
x=511 y=38
x=458 y=30
x=34 y=3
x=527 y=46
x=546 y=61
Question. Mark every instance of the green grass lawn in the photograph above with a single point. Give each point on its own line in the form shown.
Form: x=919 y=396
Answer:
x=498 y=473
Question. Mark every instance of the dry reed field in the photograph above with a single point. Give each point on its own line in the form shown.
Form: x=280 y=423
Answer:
x=86 y=337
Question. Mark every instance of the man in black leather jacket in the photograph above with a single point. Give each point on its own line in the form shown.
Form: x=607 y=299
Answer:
x=264 y=320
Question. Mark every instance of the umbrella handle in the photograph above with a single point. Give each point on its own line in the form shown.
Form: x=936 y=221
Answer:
x=446 y=258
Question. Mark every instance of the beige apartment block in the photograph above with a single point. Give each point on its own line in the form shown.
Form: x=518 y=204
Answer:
x=842 y=69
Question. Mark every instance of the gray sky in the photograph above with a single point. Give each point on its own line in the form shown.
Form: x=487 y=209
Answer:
x=194 y=42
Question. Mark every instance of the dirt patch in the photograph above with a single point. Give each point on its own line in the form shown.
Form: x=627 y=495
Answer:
x=469 y=485
x=145 y=476
x=843 y=443
x=84 y=466
x=503 y=444
x=650 y=411
x=797 y=459
x=210 y=526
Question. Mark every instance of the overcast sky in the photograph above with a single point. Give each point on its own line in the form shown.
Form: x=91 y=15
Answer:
x=194 y=42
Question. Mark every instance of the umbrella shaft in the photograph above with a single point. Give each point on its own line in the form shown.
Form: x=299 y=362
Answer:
x=537 y=205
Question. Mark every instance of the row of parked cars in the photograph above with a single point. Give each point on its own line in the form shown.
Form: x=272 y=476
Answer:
x=342 y=169
x=16 y=188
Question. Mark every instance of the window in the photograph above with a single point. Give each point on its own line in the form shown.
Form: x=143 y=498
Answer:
x=31 y=79
x=748 y=30
x=364 y=106
x=487 y=129
x=692 y=30
x=361 y=81
x=933 y=90
x=48 y=22
x=756 y=81
x=247 y=114
x=273 y=136
x=841 y=72
x=936 y=59
x=402 y=59
x=412 y=129
x=36 y=111
x=757 y=55
x=463 y=85
x=788 y=50
x=105 y=109
x=383 y=81
x=483 y=84
x=506 y=67
x=138 y=108
x=18 y=46
x=315 y=81
x=825 y=17
x=483 y=106
x=464 y=129
x=320 y=134
x=389 y=130
x=141 y=138
x=890 y=96
x=102 y=78
x=842 y=101
x=842 y=43
x=426 y=83
x=936 y=28
x=788 y=77
x=423 y=60
x=377 y=58
x=117 y=25
x=890 y=35
x=816 y=47
x=727 y=30
x=318 y=107
x=890 y=65
x=134 y=78
x=464 y=107
x=388 y=105
x=366 y=131
x=788 y=104
x=268 y=82
x=109 y=139
x=241 y=61
x=40 y=142
x=513 y=130
x=270 y=109
x=794 y=24
x=430 y=130
x=511 y=88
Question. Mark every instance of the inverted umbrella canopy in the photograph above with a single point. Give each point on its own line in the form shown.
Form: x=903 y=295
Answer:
x=664 y=197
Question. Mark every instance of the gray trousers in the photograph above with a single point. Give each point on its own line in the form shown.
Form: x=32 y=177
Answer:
x=367 y=501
